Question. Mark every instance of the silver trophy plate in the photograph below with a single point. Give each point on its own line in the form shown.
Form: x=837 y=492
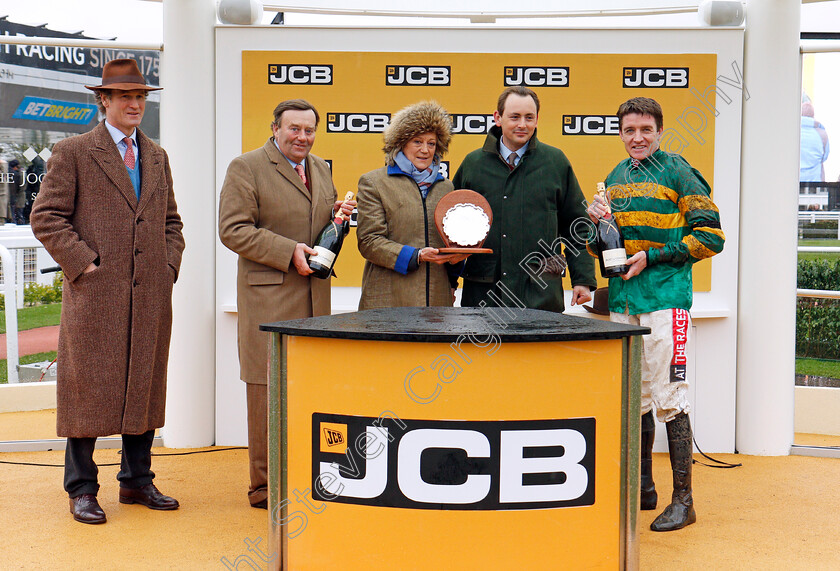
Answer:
x=466 y=224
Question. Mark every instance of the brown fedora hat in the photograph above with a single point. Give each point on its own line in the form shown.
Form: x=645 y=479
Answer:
x=600 y=302
x=122 y=74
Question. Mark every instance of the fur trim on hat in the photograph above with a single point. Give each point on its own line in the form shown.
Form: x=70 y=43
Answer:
x=416 y=119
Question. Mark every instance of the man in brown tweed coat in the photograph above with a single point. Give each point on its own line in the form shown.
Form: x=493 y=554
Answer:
x=107 y=214
x=270 y=215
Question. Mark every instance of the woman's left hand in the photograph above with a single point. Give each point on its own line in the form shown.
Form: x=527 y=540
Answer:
x=433 y=255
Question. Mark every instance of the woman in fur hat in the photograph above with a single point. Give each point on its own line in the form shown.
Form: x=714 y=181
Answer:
x=396 y=205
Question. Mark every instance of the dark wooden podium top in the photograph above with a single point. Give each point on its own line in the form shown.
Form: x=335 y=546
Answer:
x=446 y=324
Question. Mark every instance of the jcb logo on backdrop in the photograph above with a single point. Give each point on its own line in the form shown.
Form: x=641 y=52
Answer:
x=590 y=125
x=471 y=124
x=675 y=77
x=416 y=75
x=357 y=122
x=284 y=74
x=444 y=169
x=537 y=76
x=456 y=465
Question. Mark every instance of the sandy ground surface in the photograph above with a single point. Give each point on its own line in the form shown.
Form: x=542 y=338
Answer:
x=772 y=513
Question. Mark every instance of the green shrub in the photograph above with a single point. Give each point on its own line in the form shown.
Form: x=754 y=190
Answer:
x=818 y=274
x=36 y=294
x=58 y=284
x=819 y=224
x=818 y=320
x=33 y=293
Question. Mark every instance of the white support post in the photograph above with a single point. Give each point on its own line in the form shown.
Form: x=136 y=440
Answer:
x=19 y=276
x=9 y=290
x=767 y=272
x=187 y=113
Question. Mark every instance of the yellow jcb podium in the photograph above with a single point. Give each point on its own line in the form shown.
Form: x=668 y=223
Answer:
x=453 y=438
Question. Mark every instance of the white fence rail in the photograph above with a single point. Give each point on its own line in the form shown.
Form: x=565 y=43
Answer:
x=10 y=292
x=13 y=242
x=818 y=293
x=826 y=249
x=812 y=216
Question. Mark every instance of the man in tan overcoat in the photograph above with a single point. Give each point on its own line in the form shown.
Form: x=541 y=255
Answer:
x=107 y=214
x=273 y=203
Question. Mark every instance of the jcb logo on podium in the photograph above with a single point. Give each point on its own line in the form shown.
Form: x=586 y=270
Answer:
x=457 y=465
x=674 y=77
x=590 y=125
x=357 y=122
x=333 y=437
x=537 y=76
x=284 y=74
x=471 y=124
x=417 y=75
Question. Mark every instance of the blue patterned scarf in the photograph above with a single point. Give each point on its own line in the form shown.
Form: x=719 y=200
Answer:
x=424 y=178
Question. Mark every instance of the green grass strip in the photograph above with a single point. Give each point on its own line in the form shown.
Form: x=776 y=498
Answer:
x=25 y=360
x=35 y=316
x=818 y=367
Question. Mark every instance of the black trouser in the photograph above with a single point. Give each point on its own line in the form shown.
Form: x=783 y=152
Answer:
x=17 y=215
x=27 y=210
x=80 y=471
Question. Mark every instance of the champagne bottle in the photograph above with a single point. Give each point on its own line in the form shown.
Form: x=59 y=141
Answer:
x=611 y=253
x=328 y=244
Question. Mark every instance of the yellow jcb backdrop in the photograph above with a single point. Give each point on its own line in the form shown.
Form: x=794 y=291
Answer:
x=356 y=92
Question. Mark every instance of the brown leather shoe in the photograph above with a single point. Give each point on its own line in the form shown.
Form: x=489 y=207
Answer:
x=262 y=504
x=149 y=496
x=86 y=509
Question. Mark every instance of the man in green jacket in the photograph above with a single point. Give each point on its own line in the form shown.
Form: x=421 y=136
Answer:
x=668 y=222
x=538 y=208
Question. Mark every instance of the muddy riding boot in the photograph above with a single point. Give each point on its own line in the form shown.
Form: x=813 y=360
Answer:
x=680 y=512
x=648 y=491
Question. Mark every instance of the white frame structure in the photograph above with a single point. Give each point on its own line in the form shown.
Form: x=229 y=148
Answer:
x=714 y=312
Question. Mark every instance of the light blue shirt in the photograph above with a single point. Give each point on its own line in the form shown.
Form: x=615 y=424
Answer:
x=291 y=162
x=813 y=150
x=118 y=137
x=505 y=152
